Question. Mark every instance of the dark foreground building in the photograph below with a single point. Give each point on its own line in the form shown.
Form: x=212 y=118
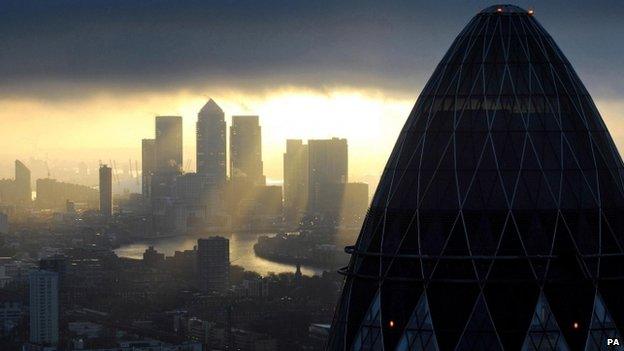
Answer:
x=498 y=223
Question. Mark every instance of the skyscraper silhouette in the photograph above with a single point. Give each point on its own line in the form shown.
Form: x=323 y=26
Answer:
x=246 y=149
x=22 y=183
x=213 y=263
x=211 y=144
x=168 y=144
x=497 y=224
x=328 y=166
x=44 y=308
x=211 y=158
x=295 y=180
x=106 y=191
x=168 y=159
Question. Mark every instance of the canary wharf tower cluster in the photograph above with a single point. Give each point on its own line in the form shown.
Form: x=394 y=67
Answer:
x=499 y=220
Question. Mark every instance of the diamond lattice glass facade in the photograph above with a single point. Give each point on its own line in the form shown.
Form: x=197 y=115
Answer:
x=498 y=223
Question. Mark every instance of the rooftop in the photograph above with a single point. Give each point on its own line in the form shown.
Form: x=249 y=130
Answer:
x=505 y=9
x=211 y=107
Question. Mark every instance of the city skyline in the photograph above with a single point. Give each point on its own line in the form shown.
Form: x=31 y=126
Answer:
x=283 y=175
x=135 y=179
x=324 y=106
x=189 y=152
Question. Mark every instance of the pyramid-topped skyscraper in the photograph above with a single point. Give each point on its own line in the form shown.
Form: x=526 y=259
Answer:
x=498 y=223
x=211 y=143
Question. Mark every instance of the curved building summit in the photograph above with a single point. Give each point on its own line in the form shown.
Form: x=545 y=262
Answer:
x=498 y=223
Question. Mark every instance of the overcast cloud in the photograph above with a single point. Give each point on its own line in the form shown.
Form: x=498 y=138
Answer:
x=256 y=45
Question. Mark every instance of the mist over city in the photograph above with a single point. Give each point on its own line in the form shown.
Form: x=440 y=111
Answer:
x=329 y=175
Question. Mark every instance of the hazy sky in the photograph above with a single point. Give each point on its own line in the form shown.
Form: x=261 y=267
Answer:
x=84 y=79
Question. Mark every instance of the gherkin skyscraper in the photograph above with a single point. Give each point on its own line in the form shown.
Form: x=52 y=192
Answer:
x=499 y=220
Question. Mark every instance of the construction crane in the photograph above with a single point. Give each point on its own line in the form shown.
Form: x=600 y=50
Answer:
x=115 y=175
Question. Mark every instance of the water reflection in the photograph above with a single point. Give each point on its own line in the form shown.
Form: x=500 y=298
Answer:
x=241 y=252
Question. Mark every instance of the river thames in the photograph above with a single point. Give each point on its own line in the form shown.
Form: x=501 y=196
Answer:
x=241 y=252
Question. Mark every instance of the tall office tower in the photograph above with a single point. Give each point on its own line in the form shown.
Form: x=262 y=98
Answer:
x=106 y=191
x=328 y=165
x=213 y=263
x=168 y=144
x=497 y=224
x=148 y=165
x=211 y=144
x=246 y=149
x=295 y=180
x=44 y=307
x=22 y=183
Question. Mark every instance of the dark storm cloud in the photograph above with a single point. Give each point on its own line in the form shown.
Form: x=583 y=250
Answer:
x=158 y=45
